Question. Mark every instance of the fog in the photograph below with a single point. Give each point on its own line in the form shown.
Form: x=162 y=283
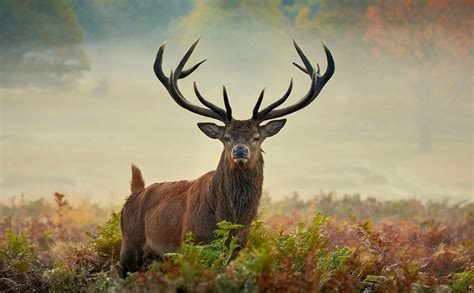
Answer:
x=368 y=131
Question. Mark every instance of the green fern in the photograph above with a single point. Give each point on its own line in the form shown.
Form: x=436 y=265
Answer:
x=17 y=251
x=462 y=282
x=108 y=239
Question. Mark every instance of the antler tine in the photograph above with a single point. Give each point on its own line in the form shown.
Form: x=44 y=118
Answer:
x=317 y=83
x=301 y=67
x=187 y=72
x=207 y=103
x=309 y=68
x=277 y=103
x=185 y=58
x=171 y=84
x=183 y=102
x=158 y=65
x=257 y=105
x=158 y=68
x=227 y=104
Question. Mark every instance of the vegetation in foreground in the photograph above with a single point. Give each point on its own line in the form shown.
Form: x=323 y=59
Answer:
x=323 y=244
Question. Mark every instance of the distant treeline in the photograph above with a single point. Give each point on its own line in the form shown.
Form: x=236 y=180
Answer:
x=42 y=41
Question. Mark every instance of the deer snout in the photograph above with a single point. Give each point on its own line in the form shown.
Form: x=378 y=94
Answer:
x=240 y=153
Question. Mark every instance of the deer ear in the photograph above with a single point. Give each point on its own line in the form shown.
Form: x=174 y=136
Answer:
x=212 y=130
x=272 y=127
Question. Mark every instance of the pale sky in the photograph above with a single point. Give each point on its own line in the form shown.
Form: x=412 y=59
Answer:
x=358 y=136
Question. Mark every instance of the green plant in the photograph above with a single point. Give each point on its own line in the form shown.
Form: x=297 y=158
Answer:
x=17 y=250
x=463 y=280
x=421 y=252
x=197 y=263
x=108 y=239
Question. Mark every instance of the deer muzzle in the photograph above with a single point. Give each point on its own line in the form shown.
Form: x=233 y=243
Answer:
x=240 y=153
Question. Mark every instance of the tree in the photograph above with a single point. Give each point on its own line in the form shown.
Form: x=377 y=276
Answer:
x=117 y=19
x=426 y=44
x=425 y=34
x=40 y=44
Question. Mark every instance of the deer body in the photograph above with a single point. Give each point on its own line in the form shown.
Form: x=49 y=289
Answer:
x=155 y=219
x=165 y=212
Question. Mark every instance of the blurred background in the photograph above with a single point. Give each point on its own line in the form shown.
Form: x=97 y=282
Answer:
x=80 y=102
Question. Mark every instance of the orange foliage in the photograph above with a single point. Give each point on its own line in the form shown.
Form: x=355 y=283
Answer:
x=417 y=28
x=383 y=246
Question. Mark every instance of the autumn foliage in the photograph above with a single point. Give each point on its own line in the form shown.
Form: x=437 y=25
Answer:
x=326 y=243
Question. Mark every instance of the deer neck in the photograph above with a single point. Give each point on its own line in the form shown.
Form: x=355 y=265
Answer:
x=235 y=193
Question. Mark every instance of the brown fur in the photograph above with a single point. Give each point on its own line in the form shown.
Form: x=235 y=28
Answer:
x=137 y=183
x=158 y=217
x=155 y=219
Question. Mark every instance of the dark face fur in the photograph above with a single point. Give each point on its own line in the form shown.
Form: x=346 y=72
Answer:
x=242 y=139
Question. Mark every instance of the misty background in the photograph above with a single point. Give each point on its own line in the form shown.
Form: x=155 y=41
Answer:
x=80 y=102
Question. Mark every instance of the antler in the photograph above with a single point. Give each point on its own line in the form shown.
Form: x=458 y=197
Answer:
x=171 y=84
x=317 y=83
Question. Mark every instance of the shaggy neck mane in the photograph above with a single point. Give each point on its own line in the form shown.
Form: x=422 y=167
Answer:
x=236 y=192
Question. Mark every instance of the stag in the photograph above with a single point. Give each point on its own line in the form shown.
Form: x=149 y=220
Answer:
x=155 y=219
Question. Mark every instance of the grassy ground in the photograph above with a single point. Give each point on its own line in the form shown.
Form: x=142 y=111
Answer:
x=327 y=243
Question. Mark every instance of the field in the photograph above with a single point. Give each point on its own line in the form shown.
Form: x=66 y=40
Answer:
x=327 y=243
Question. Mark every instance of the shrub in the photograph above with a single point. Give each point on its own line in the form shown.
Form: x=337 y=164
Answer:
x=108 y=239
x=17 y=252
x=198 y=263
x=18 y=263
x=367 y=245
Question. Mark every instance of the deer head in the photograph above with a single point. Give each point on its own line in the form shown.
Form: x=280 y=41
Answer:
x=242 y=139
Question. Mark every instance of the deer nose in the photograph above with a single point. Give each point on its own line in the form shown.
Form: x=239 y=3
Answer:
x=240 y=151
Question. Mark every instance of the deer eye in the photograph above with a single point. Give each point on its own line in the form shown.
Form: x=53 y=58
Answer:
x=256 y=139
x=227 y=138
